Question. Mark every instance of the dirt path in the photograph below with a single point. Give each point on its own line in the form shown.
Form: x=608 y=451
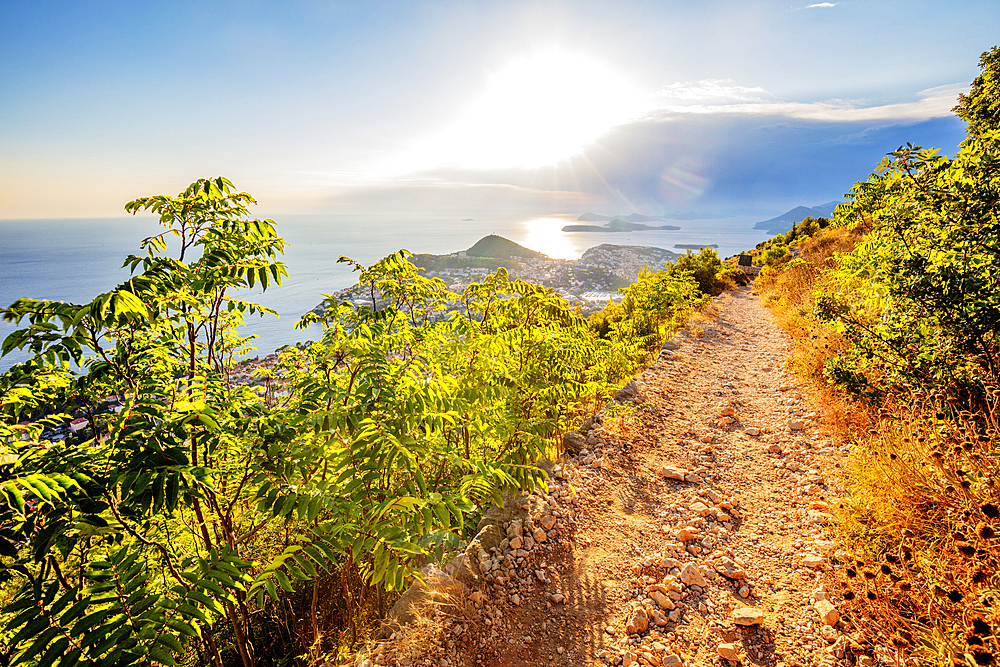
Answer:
x=672 y=529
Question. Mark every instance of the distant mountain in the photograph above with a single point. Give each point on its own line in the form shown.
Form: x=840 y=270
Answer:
x=498 y=246
x=784 y=222
x=616 y=225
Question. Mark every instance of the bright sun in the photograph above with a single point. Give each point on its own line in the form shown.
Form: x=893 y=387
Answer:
x=535 y=112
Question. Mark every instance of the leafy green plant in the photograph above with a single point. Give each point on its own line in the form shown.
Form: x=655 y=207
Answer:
x=163 y=533
x=712 y=274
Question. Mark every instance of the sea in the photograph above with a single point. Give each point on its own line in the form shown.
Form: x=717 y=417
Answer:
x=75 y=259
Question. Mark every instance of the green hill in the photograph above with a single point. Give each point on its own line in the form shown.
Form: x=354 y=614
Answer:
x=498 y=246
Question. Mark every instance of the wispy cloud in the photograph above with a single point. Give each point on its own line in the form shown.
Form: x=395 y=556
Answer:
x=822 y=4
x=931 y=103
x=706 y=90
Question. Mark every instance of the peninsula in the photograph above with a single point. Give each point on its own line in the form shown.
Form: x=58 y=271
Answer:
x=588 y=282
x=617 y=225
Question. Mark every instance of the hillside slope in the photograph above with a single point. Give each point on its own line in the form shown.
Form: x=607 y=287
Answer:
x=673 y=537
x=498 y=246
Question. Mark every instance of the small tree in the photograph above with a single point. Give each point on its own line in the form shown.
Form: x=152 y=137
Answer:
x=128 y=544
x=980 y=107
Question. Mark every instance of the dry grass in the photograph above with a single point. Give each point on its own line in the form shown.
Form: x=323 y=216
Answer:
x=922 y=524
x=920 y=517
x=444 y=613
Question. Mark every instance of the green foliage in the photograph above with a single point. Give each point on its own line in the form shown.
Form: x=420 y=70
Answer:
x=980 y=107
x=161 y=534
x=651 y=307
x=918 y=304
x=920 y=295
x=773 y=253
x=152 y=509
x=711 y=273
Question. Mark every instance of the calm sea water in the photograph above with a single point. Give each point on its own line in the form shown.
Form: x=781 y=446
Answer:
x=75 y=259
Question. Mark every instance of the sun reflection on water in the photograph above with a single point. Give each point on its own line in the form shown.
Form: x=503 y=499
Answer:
x=545 y=235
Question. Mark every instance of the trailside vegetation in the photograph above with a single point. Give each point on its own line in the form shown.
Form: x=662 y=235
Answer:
x=207 y=523
x=908 y=314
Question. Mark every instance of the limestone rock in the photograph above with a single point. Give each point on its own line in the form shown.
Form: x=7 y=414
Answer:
x=748 y=616
x=728 y=652
x=729 y=568
x=662 y=600
x=672 y=472
x=692 y=576
x=686 y=534
x=539 y=535
x=574 y=442
x=701 y=509
x=638 y=623
x=630 y=392
x=713 y=496
x=814 y=561
x=827 y=612
x=671 y=660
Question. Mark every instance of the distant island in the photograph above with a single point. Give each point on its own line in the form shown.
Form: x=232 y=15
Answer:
x=468 y=219
x=616 y=225
x=638 y=217
x=784 y=222
x=588 y=282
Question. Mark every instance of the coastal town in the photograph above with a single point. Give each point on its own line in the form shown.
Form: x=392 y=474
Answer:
x=588 y=283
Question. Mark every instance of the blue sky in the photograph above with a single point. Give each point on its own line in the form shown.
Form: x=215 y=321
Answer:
x=522 y=106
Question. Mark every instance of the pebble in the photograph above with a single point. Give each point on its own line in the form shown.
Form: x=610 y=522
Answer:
x=748 y=616
x=728 y=652
x=692 y=576
x=672 y=472
x=729 y=568
x=639 y=622
x=671 y=660
x=827 y=612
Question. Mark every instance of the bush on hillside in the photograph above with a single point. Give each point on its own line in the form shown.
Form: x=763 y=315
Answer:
x=712 y=274
x=915 y=307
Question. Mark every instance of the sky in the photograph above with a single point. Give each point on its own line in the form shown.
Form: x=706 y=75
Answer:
x=662 y=107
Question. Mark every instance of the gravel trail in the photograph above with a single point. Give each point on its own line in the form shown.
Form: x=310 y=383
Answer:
x=691 y=532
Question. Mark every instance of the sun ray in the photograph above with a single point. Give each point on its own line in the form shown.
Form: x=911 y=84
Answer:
x=535 y=112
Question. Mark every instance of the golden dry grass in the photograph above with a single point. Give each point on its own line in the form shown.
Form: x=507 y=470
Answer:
x=920 y=517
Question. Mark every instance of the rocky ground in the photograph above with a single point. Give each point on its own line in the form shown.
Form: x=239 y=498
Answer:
x=691 y=532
